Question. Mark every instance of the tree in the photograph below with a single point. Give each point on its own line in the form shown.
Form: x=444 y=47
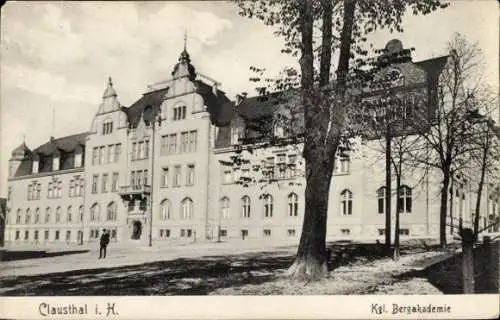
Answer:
x=342 y=25
x=446 y=145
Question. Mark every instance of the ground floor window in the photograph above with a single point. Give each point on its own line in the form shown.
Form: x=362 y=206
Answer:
x=26 y=235
x=223 y=232
x=267 y=232
x=36 y=235
x=164 y=233
x=291 y=232
x=345 y=232
x=113 y=234
x=189 y=233
x=381 y=232
x=404 y=232
x=17 y=235
x=46 y=235
x=68 y=235
x=56 y=237
x=244 y=233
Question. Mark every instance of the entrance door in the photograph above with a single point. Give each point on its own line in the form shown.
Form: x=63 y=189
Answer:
x=137 y=230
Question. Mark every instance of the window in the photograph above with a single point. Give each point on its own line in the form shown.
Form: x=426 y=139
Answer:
x=111 y=153
x=346 y=203
x=224 y=208
x=111 y=212
x=95 y=156
x=193 y=137
x=118 y=150
x=102 y=155
x=268 y=205
x=223 y=232
x=244 y=233
x=184 y=141
x=404 y=199
x=293 y=205
x=18 y=216
x=71 y=191
x=17 y=234
x=179 y=113
x=189 y=233
x=381 y=200
x=291 y=232
x=114 y=182
x=245 y=207
x=186 y=208
x=134 y=150
x=95 y=178
x=76 y=187
x=183 y=232
x=56 y=236
x=104 y=183
x=190 y=175
x=46 y=235
x=68 y=235
x=404 y=232
x=345 y=232
x=164 y=145
x=35 y=236
x=80 y=213
x=26 y=235
x=94 y=212
x=292 y=165
x=164 y=233
x=345 y=164
x=237 y=134
x=113 y=234
x=69 y=217
x=107 y=127
x=9 y=194
x=48 y=212
x=267 y=232
x=177 y=176
x=172 y=143
x=165 y=210
x=164 y=177
x=58 y=214
x=27 y=218
x=37 y=215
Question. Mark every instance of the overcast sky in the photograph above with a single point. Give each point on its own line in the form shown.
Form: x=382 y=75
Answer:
x=58 y=56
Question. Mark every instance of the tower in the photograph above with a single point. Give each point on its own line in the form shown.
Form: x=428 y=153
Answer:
x=19 y=155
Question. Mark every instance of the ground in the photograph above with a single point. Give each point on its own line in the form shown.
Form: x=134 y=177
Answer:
x=212 y=269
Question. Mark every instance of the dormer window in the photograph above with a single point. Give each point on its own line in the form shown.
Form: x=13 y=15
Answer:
x=107 y=127
x=179 y=113
x=237 y=134
x=56 y=161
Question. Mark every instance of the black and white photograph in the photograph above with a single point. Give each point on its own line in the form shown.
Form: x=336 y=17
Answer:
x=288 y=158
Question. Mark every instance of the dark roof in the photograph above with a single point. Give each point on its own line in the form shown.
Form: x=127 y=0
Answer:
x=219 y=106
x=152 y=99
x=433 y=65
x=63 y=144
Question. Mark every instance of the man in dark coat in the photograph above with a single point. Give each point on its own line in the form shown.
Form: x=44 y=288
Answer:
x=104 y=241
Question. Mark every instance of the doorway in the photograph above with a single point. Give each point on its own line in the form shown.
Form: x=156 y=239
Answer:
x=137 y=230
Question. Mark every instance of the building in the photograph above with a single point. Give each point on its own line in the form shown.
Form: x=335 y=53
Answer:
x=3 y=207
x=157 y=171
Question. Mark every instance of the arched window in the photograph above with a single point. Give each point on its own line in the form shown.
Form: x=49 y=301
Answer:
x=293 y=205
x=186 y=208
x=165 y=210
x=37 y=215
x=58 y=214
x=245 y=207
x=48 y=212
x=381 y=200
x=80 y=213
x=268 y=205
x=27 y=218
x=346 y=203
x=69 y=218
x=404 y=199
x=224 y=208
x=94 y=212
x=111 y=212
x=18 y=216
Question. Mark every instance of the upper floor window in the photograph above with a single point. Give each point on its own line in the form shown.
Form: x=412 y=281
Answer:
x=140 y=150
x=165 y=210
x=104 y=182
x=179 y=113
x=293 y=205
x=111 y=212
x=94 y=212
x=404 y=199
x=58 y=214
x=342 y=164
x=107 y=127
x=48 y=212
x=164 y=177
x=55 y=189
x=69 y=216
x=346 y=203
x=190 y=175
x=139 y=178
x=80 y=213
x=34 y=190
x=27 y=219
x=18 y=216
x=224 y=208
x=245 y=207
x=237 y=135
x=186 y=208
x=95 y=179
x=268 y=205
x=381 y=200
x=37 y=215
x=114 y=182
x=177 y=176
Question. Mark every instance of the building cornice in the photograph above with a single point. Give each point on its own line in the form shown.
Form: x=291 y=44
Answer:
x=46 y=174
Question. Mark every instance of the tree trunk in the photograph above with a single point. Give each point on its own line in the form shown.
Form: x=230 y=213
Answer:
x=311 y=260
x=443 y=210
x=480 y=189
x=452 y=198
x=388 y=190
x=396 y=227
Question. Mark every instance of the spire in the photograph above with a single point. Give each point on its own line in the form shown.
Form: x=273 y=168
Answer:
x=185 y=40
x=110 y=92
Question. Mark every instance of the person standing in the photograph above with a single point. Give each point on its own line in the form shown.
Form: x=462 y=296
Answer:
x=104 y=241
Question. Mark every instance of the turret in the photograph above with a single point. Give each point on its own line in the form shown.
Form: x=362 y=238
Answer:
x=19 y=155
x=109 y=99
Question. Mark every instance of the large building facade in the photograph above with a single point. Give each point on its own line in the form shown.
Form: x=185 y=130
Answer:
x=161 y=171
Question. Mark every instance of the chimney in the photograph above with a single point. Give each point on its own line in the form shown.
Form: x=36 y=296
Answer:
x=240 y=98
x=214 y=88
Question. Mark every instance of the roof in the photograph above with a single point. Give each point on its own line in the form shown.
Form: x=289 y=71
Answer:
x=21 y=151
x=63 y=144
x=433 y=66
x=152 y=99
x=219 y=106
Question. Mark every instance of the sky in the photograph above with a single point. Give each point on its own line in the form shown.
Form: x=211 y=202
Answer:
x=56 y=57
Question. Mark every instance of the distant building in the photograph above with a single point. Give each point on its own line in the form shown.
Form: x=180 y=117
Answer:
x=3 y=208
x=157 y=171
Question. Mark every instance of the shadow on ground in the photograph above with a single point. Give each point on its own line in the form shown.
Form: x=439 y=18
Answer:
x=198 y=276
x=6 y=255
